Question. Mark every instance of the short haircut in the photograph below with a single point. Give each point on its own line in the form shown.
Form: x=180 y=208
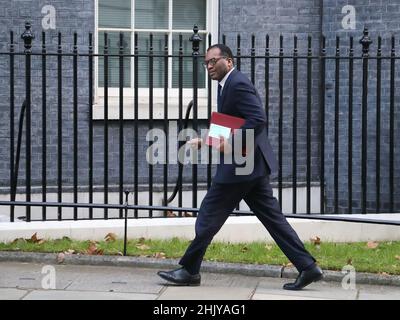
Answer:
x=225 y=50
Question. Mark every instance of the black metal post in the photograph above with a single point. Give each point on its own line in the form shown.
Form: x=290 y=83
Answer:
x=378 y=124
x=12 y=128
x=253 y=59
x=238 y=55
x=336 y=131
x=165 y=122
x=350 y=128
x=90 y=143
x=180 y=122
x=136 y=127
x=75 y=116
x=121 y=120
x=391 y=126
x=195 y=39
x=151 y=122
x=28 y=37
x=309 y=124
x=105 y=140
x=294 y=127
x=59 y=126
x=44 y=127
x=280 y=121
x=322 y=125
x=365 y=41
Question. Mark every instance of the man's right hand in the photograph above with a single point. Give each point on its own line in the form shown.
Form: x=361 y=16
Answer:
x=195 y=143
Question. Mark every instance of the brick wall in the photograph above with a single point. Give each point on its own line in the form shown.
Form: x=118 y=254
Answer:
x=381 y=19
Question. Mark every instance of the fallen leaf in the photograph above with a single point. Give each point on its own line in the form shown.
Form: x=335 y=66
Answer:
x=372 y=244
x=142 y=246
x=187 y=214
x=141 y=240
x=384 y=273
x=268 y=247
x=69 y=251
x=120 y=253
x=288 y=265
x=316 y=241
x=60 y=257
x=41 y=241
x=350 y=262
x=110 y=237
x=244 y=249
x=35 y=239
x=159 y=255
x=93 y=250
x=397 y=257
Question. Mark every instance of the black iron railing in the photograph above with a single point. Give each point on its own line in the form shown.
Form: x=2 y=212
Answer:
x=304 y=125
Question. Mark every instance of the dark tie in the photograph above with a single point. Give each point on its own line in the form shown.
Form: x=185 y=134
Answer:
x=219 y=100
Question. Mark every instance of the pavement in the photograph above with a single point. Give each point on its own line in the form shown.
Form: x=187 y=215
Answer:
x=36 y=276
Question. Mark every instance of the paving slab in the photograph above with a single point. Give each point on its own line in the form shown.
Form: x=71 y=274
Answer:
x=369 y=292
x=88 y=295
x=205 y=293
x=229 y=280
x=122 y=279
x=268 y=288
x=12 y=294
x=28 y=276
x=266 y=296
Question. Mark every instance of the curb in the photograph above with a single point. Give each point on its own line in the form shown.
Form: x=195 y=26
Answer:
x=215 y=267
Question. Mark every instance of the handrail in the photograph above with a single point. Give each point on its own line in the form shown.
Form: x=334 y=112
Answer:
x=180 y=165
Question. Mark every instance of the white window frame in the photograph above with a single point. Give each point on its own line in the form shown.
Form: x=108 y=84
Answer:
x=158 y=93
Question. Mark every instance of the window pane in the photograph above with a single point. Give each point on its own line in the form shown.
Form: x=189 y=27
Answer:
x=187 y=65
x=151 y=14
x=144 y=62
x=113 y=62
x=187 y=13
x=115 y=14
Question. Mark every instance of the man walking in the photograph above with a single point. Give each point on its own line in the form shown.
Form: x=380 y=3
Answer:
x=238 y=97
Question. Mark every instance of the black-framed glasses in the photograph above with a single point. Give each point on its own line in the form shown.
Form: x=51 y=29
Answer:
x=212 y=61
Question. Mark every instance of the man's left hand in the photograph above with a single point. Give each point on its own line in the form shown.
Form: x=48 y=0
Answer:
x=224 y=146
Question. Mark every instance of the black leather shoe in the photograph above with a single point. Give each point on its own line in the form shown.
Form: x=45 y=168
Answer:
x=305 y=278
x=181 y=277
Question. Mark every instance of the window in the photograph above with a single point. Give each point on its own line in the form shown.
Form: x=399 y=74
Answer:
x=160 y=18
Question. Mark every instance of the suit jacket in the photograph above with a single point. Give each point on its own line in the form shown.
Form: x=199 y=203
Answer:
x=240 y=99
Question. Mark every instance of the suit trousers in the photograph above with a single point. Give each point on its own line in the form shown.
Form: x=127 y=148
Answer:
x=219 y=202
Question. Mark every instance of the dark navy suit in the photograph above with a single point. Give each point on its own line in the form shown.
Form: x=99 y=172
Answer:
x=239 y=98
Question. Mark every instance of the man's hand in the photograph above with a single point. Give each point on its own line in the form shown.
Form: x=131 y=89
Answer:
x=224 y=146
x=195 y=143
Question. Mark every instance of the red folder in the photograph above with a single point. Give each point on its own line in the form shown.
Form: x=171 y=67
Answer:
x=222 y=124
